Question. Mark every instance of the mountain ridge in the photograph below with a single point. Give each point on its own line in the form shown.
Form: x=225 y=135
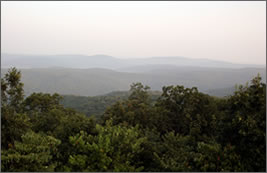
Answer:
x=97 y=81
x=111 y=62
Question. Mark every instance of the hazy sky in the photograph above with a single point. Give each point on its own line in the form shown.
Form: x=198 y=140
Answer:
x=229 y=31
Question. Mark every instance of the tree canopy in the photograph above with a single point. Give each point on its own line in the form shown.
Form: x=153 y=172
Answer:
x=181 y=130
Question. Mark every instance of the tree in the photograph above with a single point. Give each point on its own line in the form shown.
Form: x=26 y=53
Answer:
x=184 y=130
x=33 y=153
x=112 y=149
x=70 y=125
x=40 y=102
x=139 y=93
x=137 y=109
x=14 y=122
x=186 y=111
x=12 y=89
x=244 y=125
x=175 y=153
x=183 y=153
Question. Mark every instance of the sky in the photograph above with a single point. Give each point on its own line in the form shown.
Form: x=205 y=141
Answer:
x=230 y=31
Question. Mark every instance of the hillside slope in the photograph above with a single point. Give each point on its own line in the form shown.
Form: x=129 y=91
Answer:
x=96 y=81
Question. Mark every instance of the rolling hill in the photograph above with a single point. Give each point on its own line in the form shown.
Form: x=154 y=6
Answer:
x=109 y=62
x=99 y=81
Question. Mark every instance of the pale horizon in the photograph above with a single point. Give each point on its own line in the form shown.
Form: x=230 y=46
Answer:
x=224 y=31
x=130 y=57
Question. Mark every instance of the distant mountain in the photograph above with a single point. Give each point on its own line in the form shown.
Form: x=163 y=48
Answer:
x=109 y=62
x=184 y=61
x=221 y=92
x=67 y=61
x=99 y=81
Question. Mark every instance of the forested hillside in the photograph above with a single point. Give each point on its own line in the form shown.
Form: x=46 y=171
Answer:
x=97 y=81
x=182 y=129
x=96 y=106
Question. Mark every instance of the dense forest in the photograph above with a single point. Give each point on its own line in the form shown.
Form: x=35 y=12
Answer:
x=181 y=129
x=96 y=105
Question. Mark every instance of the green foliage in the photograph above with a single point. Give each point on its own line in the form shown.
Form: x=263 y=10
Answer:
x=97 y=105
x=230 y=160
x=34 y=153
x=112 y=149
x=92 y=105
x=70 y=126
x=12 y=91
x=245 y=124
x=176 y=153
x=48 y=116
x=186 y=111
x=184 y=153
x=183 y=130
x=147 y=158
x=139 y=92
x=14 y=123
x=3 y=92
x=136 y=110
x=207 y=156
x=39 y=102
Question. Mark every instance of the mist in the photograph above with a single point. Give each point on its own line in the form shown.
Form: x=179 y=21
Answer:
x=226 y=31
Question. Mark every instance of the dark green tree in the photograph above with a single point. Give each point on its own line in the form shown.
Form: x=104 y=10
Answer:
x=137 y=109
x=34 y=153
x=12 y=89
x=244 y=125
x=40 y=102
x=112 y=149
x=186 y=111
x=14 y=122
